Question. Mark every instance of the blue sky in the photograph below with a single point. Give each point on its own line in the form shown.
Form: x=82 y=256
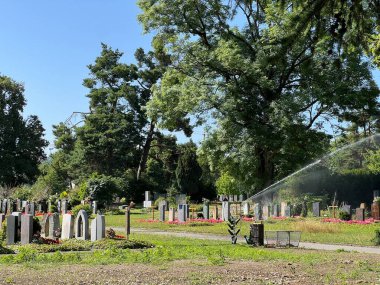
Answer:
x=47 y=45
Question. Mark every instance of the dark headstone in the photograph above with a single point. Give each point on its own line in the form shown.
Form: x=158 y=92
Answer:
x=316 y=209
x=360 y=214
x=2 y=218
x=26 y=228
x=162 y=209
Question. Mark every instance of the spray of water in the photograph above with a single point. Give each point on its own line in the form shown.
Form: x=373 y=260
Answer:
x=314 y=168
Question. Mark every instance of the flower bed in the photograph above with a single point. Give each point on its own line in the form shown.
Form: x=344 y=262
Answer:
x=366 y=222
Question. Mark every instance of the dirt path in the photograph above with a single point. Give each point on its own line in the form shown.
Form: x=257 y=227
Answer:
x=307 y=245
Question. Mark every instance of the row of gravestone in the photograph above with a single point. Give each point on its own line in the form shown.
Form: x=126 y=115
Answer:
x=20 y=227
x=8 y=206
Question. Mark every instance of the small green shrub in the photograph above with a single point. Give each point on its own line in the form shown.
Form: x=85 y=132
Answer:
x=4 y=250
x=86 y=207
x=53 y=209
x=376 y=240
x=115 y=212
x=3 y=233
x=344 y=216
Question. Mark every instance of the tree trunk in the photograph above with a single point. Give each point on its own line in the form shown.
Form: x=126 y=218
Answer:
x=146 y=149
x=265 y=170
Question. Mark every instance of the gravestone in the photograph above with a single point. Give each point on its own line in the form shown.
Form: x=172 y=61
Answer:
x=241 y=197
x=4 y=206
x=288 y=211
x=10 y=208
x=215 y=212
x=230 y=198
x=26 y=228
x=226 y=211
x=148 y=196
x=265 y=212
x=64 y=206
x=283 y=206
x=182 y=213
x=98 y=228
x=2 y=219
x=27 y=208
x=32 y=208
x=67 y=226
x=246 y=209
x=346 y=209
x=276 y=210
x=360 y=214
x=206 y=211
x=162 y=209
x=94 y=207
x=171 y=215
x=45 y=225
x=316 y=209
x=18 y=215
x=236 y=198
x=82 y=226
x=375 y=210
x=59 y=206
x=148 y=204
x=18 y=205
x=54 y=226
x=12 y=230
x=23 y=205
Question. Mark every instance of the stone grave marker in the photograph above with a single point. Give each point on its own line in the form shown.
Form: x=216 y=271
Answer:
x=64 y=206
x=12 y=230
x=67 y=226
x=54 y=225
x=265 y=212
x=182 y=213
x=236 y=198
x=346 y=209
x=26 y=228
x=162 y=209
x=98 y=228
x=226 y=211
x=241 y=197
x=215 y=212
x=18 y=205
x=171 y=215
x=2 y=219
x=32 y=208
x=276 y=210
x=316 y=209
x=360 y=214
x=18 y=215
x=94 y=207
x=4 y=206
x=206 y=211
x=246 y=208
x=45 y=225
x=82 y=226
x=288 y=211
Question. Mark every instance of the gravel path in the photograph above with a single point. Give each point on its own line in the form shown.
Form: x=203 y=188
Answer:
x=307 y=245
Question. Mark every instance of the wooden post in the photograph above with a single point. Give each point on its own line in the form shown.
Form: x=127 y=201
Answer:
x=128 y=220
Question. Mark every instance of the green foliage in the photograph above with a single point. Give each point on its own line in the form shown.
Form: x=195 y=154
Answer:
x=85 y=207
x=3 y=233
x=23 y=192
x=104 y=188
x=376 y=239
x=5 y=250
x=344 y=216
x=22 y=144
x=53 y=208
x=188 y=171
x=227 y=184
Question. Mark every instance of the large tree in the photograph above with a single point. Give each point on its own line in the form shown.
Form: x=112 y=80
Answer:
x=21 y=140
x=271 y=93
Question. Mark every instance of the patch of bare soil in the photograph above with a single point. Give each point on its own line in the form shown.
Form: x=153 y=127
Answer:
x=348 y=269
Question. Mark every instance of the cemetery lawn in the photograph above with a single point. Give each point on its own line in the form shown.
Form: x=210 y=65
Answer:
x=189 y=261
x=313 y=229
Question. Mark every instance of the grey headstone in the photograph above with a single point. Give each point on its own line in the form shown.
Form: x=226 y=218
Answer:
x=246 y=208
x=162 y=209
x=206 y=211
x=241 y=197
x=226 y=211
x=346 y=209
x=67 y=226
x=148 y=196
x=171 y=214
x=12 y=229
x=18 y=205
x=2 y=219
x=316 y=209
x=230 y=198
x=64 y=206
x=94 y=207
x=288 y=211
x=54 y=225
x=236 y=198
x=4 y=206
x=45 y=225
x=98 y=228
x=82 y=226
x=27 y=208
x=360 y=214
x=26 y=228
x=182 y=213
x=32 y=208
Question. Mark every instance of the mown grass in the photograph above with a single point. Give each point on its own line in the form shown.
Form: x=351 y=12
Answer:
x=167 y=250
x=313 y=229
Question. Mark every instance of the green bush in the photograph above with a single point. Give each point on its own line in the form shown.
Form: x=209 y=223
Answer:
x=4 y=250
x=85 y=207
x=376 y=240
x=115 y=212
x=3 y=233
x=344 y=216
x=53 y=209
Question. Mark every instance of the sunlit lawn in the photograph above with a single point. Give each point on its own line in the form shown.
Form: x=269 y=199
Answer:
x=313 y=229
